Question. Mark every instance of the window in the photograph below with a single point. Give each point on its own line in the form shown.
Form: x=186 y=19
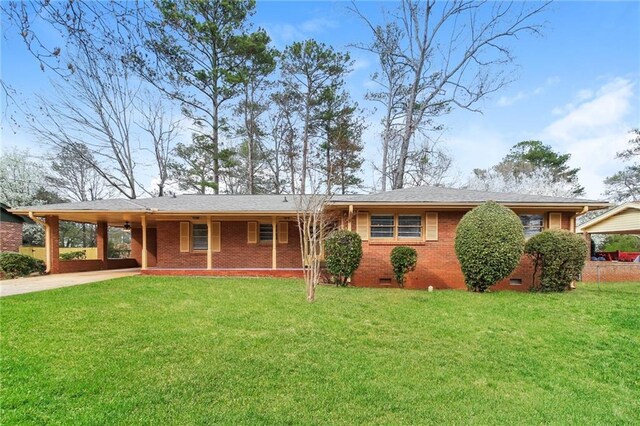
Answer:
x=382 y=226
x=199 y=236
x=533 y=224
x=266 y=232
x=409 y=226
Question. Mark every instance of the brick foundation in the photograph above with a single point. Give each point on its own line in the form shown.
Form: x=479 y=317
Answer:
x=274 y=273
x=10 y=236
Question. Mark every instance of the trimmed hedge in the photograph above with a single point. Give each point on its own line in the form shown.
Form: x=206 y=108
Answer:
x=559 y=255
x=343 y=252
x=74 y=255
x=489 y=245
x=403 y=260
x=14 y=265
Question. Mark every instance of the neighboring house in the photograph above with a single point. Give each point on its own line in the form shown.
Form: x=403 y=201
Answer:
x=10 y=229
x=623 y=219
x=257 y=235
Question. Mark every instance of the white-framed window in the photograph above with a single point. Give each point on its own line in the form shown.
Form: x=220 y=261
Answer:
x=199 y=236
x=533 y=224
x=410 y=226
x=266 y=232
x=382 y=226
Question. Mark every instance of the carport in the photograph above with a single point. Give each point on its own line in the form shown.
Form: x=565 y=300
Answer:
x=624 y=219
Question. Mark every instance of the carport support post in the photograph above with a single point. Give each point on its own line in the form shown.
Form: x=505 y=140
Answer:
x=274 y=242
x=102 y=242
x=52 y=243
x=143 y=223
x=209 y=243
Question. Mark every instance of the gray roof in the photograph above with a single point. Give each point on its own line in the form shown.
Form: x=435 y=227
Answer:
x=181 y=203
x=436 y=194
x=277 y=203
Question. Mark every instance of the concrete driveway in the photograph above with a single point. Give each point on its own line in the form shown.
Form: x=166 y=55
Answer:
x=48 y=282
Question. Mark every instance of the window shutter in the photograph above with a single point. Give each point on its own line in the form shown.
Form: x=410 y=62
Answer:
x=252 y=232
x=431 y=227
x=362 y=225
x=215 y=236
x=283 y=232
x=555 y=220
x=185 y=243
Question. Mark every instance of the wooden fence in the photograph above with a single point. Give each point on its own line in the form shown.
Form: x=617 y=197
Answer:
x=38 y=252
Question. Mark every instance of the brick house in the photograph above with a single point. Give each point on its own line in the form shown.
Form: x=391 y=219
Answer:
x=10 y=229
x=257 y=235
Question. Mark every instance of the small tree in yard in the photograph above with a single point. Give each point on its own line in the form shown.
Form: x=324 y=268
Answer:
x=489 y=244
x=560 y=256
x=403 y=260
x=314 y=224
x=343 y=252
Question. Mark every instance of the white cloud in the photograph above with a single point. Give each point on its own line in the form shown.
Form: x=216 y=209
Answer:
x=505 y=101
x=285 y=33
x=318 y=25
x=593 y=128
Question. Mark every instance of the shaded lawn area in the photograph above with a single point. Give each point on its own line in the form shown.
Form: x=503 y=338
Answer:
x=253 y=351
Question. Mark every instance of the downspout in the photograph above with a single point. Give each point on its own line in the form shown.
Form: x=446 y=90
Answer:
x=47 y=243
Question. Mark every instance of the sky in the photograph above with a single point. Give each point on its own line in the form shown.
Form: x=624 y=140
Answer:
x=575 y=88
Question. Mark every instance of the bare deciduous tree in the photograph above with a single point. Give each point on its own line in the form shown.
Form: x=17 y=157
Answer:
x=74 y=177
x=453 y=53
x=94 y=108
x=315 y=222
x=162 y=130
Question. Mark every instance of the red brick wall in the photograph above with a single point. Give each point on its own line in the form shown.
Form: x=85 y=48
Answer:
x=67 y=266
x=437 y=264
x=152 y=246
x=10 y=236
x=611 y=271
x=235 y=252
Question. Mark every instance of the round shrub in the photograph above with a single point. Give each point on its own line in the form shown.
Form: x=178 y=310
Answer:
x=343 y=252
x=489 y=245
x=403 y=260
x=14 y=265
x=559 y=255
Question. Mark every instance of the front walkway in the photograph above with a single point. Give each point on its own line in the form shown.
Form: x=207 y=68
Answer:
x=48 y=282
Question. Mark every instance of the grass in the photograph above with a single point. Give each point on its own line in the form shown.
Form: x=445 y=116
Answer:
x=252 y=351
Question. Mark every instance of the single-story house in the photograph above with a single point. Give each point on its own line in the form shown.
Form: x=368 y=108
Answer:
x=257 y=235
x=10 y=229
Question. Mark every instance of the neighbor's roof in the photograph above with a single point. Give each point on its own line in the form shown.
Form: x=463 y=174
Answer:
x=7 y=216
x=286 y=203
x=624 y=219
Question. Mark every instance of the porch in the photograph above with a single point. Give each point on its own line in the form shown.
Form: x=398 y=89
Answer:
x=202 y=244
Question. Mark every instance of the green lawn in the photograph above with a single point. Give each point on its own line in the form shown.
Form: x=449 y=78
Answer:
x=253 y=351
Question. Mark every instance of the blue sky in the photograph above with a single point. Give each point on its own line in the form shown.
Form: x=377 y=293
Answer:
x=577 y=87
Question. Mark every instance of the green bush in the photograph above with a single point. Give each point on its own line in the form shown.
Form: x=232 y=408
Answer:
x=74 y=255
x=489 y=245
x=622 y=243
x=403 y=260
x=343 y=252
x=14 y=265
x=560 y=255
